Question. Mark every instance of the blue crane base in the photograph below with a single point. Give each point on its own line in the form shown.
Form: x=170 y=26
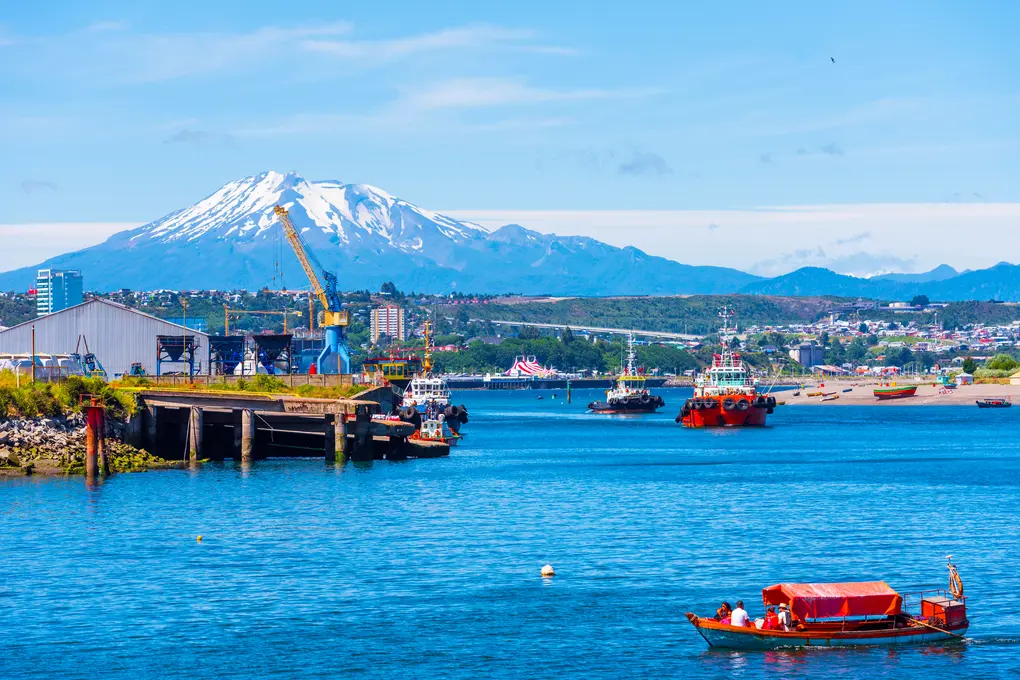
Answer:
x=335 y=357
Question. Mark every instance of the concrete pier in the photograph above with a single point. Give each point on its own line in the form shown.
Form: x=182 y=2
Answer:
x=242 y=426
x=247 y=434
x=194 y=434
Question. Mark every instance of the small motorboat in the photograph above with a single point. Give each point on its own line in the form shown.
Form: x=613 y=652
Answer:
x=994 y=403
x=849 y=389
x=846 y=614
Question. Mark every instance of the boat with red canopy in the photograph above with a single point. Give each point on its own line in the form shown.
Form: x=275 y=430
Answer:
x=846 y=614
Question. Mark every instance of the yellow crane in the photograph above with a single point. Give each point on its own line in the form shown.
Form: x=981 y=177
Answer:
x=334 y=319
x=237 y=312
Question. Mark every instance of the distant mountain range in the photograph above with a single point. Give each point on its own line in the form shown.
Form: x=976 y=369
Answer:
x=231 y=239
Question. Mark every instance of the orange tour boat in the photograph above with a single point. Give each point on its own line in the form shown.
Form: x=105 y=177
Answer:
x=844 y=614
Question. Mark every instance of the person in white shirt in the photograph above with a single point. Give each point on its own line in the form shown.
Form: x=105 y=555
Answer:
x=785 y=619
x=739 y=616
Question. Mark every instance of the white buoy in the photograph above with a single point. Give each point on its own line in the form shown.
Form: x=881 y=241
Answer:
x=548 y=571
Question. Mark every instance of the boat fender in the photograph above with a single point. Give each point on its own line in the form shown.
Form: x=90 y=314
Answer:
x=548 y=571
x=771 y=402
x=645 y=399
x=463 y=415
x=680 y=417
x=696 y=405
x=729 y=403
x=743 y=405
x=760 y=401
x=660 y=402
x=408 y=413
x=452 y=412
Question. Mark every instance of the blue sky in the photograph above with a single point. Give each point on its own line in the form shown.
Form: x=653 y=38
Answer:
x=114 y=113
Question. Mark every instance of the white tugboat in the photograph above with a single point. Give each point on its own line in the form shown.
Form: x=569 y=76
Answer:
x=629 y=395
x=426 y=401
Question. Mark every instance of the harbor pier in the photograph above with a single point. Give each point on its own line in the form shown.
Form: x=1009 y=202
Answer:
x=194 y=426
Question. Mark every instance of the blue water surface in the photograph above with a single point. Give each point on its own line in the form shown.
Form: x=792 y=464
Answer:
x=430 y=568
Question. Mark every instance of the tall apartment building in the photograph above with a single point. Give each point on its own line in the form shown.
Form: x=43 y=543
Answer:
x=388 y=320
x=56 y=290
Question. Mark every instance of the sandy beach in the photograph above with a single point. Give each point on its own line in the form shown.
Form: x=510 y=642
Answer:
x=862 y=394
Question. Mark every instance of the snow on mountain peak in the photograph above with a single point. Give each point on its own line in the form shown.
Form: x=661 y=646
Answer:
x=243 y=211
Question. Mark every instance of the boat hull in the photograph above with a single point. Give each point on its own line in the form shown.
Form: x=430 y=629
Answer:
x=712 y=412
x=895 y=393
x=603 y=407
x=731 y=637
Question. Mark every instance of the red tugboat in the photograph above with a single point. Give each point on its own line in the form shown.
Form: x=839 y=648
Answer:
x=725 y=396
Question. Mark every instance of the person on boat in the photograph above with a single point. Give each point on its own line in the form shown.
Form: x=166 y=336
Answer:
x=785 y=620
x=771 y=619
x=722 y=614
x=739 y=616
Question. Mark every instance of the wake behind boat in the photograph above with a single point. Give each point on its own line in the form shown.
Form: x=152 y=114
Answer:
x=843 y=614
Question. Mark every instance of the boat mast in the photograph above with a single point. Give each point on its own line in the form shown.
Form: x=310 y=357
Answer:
x=630 y=354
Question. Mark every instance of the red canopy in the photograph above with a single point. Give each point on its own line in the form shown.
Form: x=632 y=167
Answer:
x=835 y=600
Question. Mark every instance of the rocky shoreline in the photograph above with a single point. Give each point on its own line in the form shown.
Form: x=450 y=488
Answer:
x=56 y=446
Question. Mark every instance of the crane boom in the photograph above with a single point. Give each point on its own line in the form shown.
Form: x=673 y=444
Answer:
x=327 y=294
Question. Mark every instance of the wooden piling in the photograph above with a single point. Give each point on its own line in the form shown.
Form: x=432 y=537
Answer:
x=329 y=440
x=194 y=434
x=91 y=436
x=247 y=434
x=235 y=417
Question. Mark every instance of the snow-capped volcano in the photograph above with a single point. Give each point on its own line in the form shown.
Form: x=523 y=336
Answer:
x=232 y=239
x=352 y=213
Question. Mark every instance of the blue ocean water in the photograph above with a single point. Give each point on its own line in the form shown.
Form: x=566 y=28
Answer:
x=430 y=569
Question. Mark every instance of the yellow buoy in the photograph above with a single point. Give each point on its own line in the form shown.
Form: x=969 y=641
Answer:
x=547 y=571
x=199 y=538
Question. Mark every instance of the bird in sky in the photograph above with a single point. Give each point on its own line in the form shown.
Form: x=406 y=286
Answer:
x=833 y=59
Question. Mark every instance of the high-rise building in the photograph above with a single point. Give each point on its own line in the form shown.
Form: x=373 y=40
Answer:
x=56 y=290
x=388 y=320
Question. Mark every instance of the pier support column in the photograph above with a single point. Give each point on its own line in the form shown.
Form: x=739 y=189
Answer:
x=247 y=434
x=329 y=440
x=194 y=434
x=92 y=434
x=340 y=445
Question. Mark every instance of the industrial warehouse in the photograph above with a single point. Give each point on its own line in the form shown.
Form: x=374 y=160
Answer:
x=119 y=340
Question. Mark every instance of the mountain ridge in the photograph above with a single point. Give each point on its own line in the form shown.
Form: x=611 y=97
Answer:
x=231 y=239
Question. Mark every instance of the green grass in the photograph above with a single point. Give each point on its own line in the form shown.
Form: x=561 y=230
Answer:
x=31 y=400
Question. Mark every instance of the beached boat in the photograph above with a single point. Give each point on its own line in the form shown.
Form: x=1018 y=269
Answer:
x=994 y=403
x=894 y=391
x=847 y=614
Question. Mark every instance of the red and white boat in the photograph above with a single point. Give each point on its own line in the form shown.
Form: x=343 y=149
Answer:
x=847 y=614
x=726 y=395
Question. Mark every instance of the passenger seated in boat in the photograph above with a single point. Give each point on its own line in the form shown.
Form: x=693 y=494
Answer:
x=771 y=621
x=739 y=616
x=722 y=614
x=785 y=619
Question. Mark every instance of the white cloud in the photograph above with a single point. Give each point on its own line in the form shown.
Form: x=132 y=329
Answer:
x=465 y=37
x=926 y=234
x=104 y=26
x=37 y=242
x=489 y=92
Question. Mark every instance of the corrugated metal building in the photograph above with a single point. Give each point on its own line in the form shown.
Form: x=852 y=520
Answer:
x=119 y=336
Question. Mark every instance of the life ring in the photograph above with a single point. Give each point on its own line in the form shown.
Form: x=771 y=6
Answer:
x=743 y=405
x=729 y=403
